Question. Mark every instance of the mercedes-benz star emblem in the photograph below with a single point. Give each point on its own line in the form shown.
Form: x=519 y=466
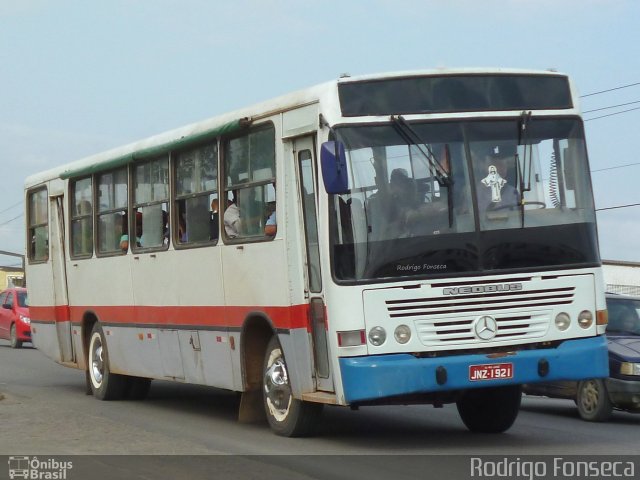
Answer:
x=485 y=327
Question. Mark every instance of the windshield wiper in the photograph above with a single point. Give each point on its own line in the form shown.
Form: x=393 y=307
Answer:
x=524 y=185
x=411 y=137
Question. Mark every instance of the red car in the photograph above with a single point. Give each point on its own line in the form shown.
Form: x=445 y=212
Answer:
x=15 y=323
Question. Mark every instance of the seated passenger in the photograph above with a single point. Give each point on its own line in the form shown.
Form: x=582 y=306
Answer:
x=165 y=228
x=232 y=219
x=182 y=230
x=124 y=239
x=213 y=220
x=271 y=225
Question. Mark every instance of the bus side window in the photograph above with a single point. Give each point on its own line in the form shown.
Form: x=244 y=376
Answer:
x=196 y=188
x=38 y=222
x=250 y=170
x=112 y=211
x=150 y=204
x=82 y=218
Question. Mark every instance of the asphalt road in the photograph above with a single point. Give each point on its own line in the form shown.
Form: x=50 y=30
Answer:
x=44 y=410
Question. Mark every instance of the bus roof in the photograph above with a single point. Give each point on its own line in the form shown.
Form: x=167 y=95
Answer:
x=229 y=122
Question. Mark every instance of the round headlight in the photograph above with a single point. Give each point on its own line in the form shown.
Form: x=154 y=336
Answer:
x=585 y=319
x=377 y=336
x=402 y=334
x=563 y=320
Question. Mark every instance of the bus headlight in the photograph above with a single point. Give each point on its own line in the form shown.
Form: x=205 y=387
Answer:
x=377 y=336
x=585 y=319
x=402 y=334
x=628 y=368
x=563 y=320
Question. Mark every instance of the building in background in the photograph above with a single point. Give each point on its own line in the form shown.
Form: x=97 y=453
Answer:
x=11 y=277
x=622 y=277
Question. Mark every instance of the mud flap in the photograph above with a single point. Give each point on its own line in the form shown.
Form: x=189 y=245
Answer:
x=252 y=407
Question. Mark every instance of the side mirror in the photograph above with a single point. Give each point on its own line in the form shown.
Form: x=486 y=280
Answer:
x=6 y=306
x=334 y=167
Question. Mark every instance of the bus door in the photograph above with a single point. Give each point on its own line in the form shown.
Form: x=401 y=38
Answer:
x=60 y=287
x=304 y=153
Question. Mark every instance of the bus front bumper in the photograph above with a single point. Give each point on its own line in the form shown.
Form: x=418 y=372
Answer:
x=379 y=376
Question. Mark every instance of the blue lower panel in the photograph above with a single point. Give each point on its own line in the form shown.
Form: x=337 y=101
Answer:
x=380 y=376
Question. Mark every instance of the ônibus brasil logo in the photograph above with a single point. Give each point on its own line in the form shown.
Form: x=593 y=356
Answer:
x=36 y=469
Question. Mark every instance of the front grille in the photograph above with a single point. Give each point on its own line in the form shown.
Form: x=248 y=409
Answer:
x=442 y=320
x=459 y=330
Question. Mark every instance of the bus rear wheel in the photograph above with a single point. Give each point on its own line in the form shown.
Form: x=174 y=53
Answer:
x=287 y=416
x=104 y=384
x=490 y=410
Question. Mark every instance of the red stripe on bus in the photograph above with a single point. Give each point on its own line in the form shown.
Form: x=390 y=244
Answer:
x=291 y=317
x=58 y=313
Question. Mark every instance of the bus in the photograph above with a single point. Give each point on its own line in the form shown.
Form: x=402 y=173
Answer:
x=420 y=237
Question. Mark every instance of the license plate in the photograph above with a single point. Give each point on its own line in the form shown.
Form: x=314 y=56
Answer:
x=494 y=371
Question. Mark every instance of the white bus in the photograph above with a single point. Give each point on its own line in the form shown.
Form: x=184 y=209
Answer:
x=414 y=237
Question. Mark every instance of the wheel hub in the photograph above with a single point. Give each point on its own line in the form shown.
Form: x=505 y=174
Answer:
x=276 y=386
x=97 y=364
x=590 y=396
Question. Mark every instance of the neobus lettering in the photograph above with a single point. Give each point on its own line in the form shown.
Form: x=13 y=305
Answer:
x=508 y=287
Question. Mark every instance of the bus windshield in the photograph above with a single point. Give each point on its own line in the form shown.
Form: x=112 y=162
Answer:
x=429 y=199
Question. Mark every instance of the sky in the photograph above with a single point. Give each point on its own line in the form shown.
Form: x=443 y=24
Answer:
x=78 y=77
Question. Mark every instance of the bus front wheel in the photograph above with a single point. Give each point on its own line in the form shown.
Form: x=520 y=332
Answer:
x=490 y=410
x=104 y=384
x=287 y=415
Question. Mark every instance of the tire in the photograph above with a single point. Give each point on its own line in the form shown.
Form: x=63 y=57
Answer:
x=287 y=416
x=490 y=410
x=104 y=384
x=15 y=343
x=593 y=400
x=137 y=388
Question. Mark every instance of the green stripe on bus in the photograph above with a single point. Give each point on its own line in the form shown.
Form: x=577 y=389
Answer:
x=157 y=150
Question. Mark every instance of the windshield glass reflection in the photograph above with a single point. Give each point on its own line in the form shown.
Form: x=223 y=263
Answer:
x=427 y=198
x=623 y=317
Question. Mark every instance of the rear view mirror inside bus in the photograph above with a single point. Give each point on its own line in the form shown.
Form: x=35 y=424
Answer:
x=334 y=167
